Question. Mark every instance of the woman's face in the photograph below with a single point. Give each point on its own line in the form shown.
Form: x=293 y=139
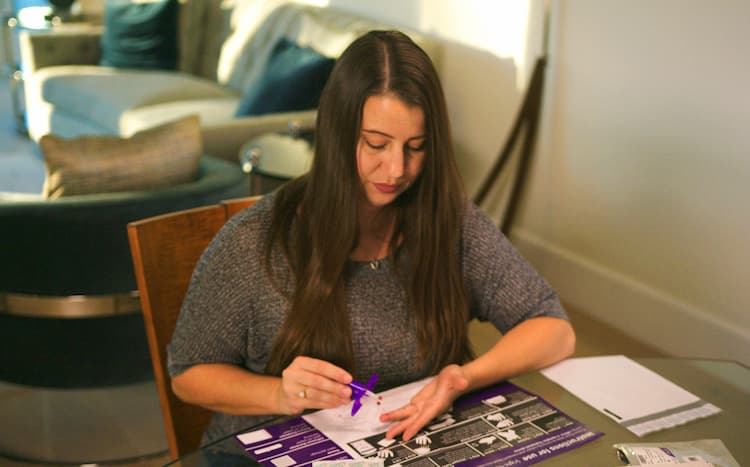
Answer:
x=391 y=148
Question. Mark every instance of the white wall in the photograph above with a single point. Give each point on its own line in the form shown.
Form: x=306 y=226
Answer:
x=637 y=210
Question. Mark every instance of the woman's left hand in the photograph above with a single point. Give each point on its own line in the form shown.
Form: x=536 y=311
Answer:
x=432 y=400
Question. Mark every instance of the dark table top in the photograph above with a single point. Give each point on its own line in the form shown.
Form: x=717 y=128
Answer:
x=722 y=383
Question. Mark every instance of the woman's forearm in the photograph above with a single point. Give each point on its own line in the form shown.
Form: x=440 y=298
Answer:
x=228 y=389
x=530 y=346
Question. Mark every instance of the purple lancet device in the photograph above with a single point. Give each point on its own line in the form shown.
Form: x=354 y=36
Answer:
x=360 y=390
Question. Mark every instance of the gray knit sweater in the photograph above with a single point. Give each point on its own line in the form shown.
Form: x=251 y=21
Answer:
x=232 y=312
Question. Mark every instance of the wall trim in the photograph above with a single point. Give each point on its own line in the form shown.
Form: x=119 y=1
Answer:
x=643 y=312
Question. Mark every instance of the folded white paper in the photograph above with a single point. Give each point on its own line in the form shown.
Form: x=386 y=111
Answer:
x=634 y=396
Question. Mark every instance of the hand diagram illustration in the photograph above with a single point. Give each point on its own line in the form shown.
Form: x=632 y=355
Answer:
x=509 y=435
x=444 y=420
x=385 y=454
x=501 y=421
x=487 y=440
x=423 y=444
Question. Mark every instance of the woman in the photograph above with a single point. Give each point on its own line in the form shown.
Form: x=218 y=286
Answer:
x=373 y=262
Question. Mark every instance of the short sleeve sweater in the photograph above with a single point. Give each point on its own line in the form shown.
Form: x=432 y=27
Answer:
x=232 y=311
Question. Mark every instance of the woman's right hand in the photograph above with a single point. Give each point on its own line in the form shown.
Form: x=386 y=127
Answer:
x=310 y=383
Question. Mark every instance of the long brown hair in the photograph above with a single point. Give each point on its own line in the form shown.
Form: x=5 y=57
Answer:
x=315 y=220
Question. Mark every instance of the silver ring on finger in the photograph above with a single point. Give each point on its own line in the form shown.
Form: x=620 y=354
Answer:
x=303 y=393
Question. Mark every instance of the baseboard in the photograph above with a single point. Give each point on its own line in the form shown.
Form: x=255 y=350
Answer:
x=640 y=311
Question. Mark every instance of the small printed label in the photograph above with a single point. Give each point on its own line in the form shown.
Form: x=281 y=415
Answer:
x=350 y=463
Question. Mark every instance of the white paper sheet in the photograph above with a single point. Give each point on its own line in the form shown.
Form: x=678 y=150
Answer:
x=629 y=393
x=341 y=427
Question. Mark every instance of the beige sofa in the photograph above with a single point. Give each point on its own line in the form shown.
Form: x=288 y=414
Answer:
x=222 y=51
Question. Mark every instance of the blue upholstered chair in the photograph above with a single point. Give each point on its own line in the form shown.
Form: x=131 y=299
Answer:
x=69 y=309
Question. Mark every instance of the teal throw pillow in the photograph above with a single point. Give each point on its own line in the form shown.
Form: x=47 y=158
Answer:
x=293 y=80
x=140 y=34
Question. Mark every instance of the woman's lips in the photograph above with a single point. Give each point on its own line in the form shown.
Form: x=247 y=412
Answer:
x=385 y=188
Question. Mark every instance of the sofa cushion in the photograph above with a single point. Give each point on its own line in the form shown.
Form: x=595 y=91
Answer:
x=74 y=89
x=160 y=157
x=140 y=34
x=293 y=80
x=211 y=111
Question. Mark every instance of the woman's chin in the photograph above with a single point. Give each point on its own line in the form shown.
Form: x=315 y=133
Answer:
x=379 y=199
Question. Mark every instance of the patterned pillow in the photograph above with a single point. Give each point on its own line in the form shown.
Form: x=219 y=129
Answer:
x=152 y=159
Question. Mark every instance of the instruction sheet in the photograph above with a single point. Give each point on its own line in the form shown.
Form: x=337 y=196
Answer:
x=502 y=425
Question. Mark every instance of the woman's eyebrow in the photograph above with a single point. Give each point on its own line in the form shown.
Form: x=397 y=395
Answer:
x=377 y=132
x=381 y=133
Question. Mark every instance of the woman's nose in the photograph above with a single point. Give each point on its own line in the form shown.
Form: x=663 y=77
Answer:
x=396 y=163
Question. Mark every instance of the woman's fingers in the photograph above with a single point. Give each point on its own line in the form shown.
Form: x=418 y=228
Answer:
x=428 y=403
x=313 y=397
x=397 y=429
x=322 y=368
x=409 y=427
x=287 y=401
x=417 y=415
x=317 y=373
x=309 y=383
x=403 y=415
x=399 y=414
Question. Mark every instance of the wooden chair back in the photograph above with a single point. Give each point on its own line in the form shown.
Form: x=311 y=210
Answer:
x=235 y=205
x=165 y=250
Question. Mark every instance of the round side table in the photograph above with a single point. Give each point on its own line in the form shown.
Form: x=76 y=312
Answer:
x=272 y=159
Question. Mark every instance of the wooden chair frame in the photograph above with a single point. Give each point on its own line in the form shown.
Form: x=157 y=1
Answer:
x=165 y=250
